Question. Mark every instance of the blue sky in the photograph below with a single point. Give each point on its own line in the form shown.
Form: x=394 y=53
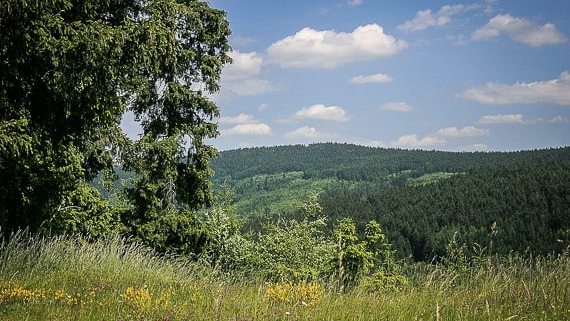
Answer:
x=459 y=76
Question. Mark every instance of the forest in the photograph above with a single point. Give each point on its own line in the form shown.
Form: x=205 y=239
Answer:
x=518 y=201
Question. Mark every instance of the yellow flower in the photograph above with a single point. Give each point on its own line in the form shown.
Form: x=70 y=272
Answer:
x=304 y=294
x=16 y=293
x=138 y=298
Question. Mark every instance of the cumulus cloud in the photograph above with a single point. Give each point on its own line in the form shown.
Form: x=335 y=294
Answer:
x=376 y=78
x=305 y=132
x=550 y=91
x=239 y=119
x=519 y=119
x=439 y=138
x=244 y=65
x=322 y=112
x=412 y=141
x=247 y=129
x=468 y=131
x=521 y=30
x=243 y=76
x=397 y=107
x=426 y=18
x=328 y=49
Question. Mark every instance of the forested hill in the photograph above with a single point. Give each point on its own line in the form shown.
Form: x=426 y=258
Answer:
x=421 y=198
x=360 y=163
x=523 y=207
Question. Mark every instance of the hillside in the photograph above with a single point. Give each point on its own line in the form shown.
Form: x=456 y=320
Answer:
x=270 y=179
x=360 y=163
x=421 y=198
x=523 y=208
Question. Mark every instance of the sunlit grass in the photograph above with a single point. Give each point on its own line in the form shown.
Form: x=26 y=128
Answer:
x=67 y=278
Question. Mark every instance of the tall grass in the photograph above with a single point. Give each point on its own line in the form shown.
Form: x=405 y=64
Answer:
x=67 y=278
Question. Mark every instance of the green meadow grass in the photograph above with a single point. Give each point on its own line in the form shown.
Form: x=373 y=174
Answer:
x=67 y=278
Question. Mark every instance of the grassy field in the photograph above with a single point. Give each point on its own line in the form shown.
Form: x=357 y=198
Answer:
x=67 y=278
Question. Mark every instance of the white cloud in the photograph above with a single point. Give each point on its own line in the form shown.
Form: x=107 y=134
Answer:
x=521 y=30
x=240 y=119
x=376 y=78
x=247 y=129
x=243 y=76
x=304 y=133
x=468 y=131
x=519 y=119
x=477 y=147
x=397 y=107
x=489 y=9
x=550 y=91
x=439 y=138
x=371 y=143
x=322 y=112
x=354 y=3
x=244 y=65
x=501 y=119
x=426 y=18
x=559 y=119
x=328 y=49
x=412 y=141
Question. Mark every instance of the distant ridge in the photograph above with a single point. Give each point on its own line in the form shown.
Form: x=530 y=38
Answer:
x=327 y=159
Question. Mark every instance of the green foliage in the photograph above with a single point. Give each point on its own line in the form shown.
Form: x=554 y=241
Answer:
x=70 y=70
x=13 y=138
x=269 y=195
x=370 y=262
x=285 y=250
x=296 y=250
x=35 y=186
x=456 y=255
x=293 y=250
x=352 y=257
x=158 y=215
x=228 y=251
x=311 y=209
x=177 y=231
x=84 y=212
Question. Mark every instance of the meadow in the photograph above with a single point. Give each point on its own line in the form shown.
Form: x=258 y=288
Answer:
x=68 y=278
